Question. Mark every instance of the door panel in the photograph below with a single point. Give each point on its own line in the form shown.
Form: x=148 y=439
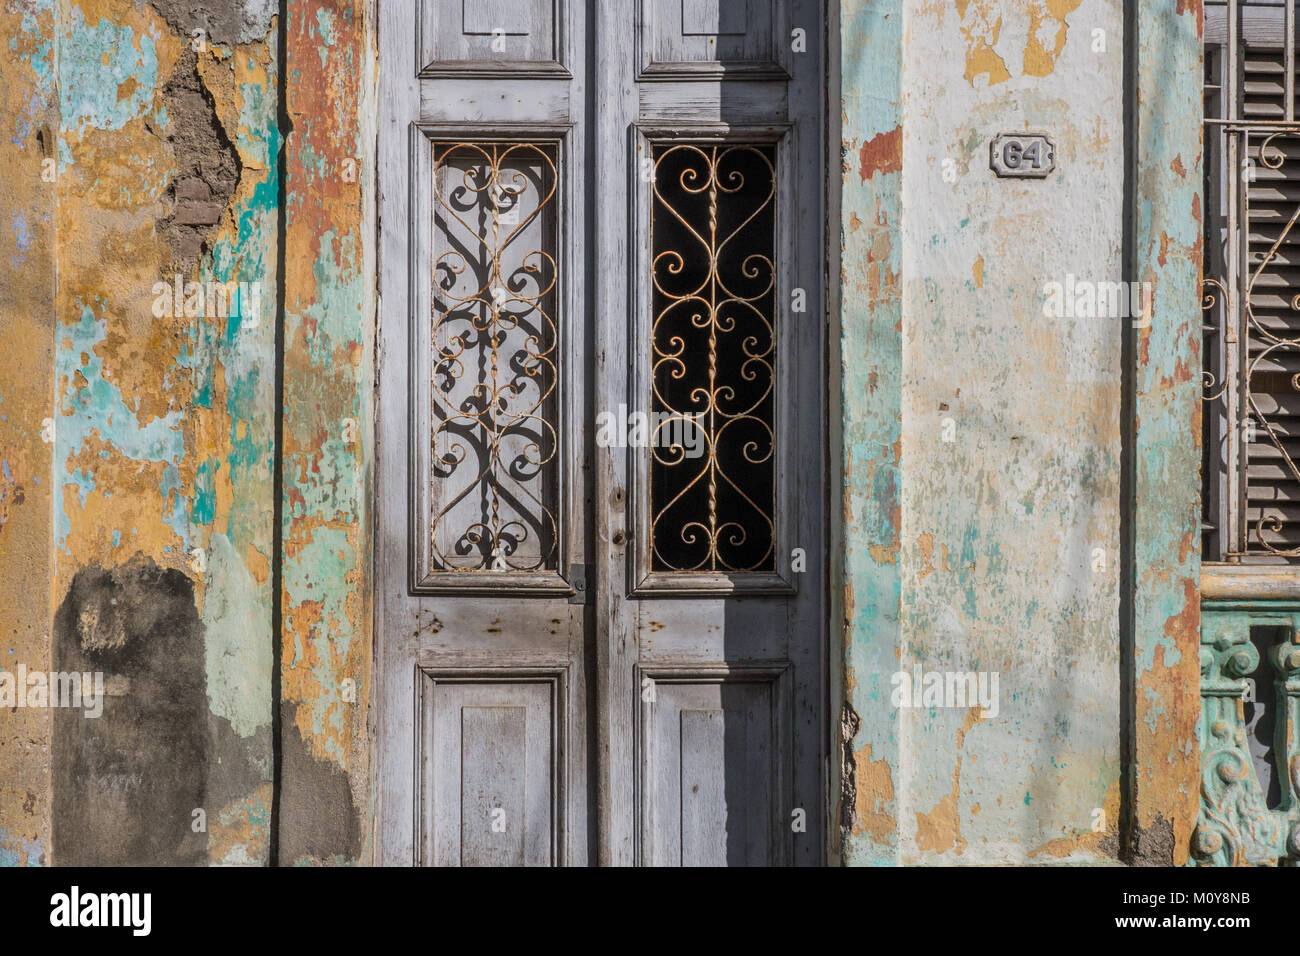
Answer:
x=710 y=221
x=489 y=37
x=713 y=767
x=491 y=742
x=601 y=487
x=688 y=38
x=484 y=634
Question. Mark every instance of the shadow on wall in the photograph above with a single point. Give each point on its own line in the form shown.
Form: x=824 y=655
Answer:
x=126 y=783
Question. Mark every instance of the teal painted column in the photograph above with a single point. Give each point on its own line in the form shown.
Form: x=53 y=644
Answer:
x=870 y=347
x=1165 y=431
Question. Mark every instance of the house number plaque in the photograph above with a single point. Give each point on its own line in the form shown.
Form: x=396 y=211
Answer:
x=1022 y=155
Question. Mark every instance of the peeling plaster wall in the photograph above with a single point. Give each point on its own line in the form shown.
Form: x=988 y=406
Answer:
x=328 y=442
x=870 y=353
x=1166 y=757
x=159 y=417
x=139 y=431
x=139 y=428
x=164 y=423
x=27 y=149
x=986 y=514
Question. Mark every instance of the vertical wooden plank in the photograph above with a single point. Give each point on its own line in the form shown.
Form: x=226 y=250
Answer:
x=1166 y=434
x=396 y=620
x=614 y=632
x=869 y=362
x=492 y=761
x=705 y=813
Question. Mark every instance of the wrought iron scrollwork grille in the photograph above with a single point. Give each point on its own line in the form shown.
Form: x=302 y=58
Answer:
x=495 y=371
x=1251 y=289
x=713 y=360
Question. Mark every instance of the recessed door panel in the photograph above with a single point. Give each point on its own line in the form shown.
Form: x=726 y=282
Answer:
x=481 y=37
x=694 y=38
x=711 y=769
x=490 y=790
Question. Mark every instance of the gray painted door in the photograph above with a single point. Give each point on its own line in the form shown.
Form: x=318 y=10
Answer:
x=600 y=552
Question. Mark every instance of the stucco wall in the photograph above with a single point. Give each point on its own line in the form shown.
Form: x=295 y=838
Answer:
x=982 y=438
x=164 y=426
x=166 y=125
x=27 y=149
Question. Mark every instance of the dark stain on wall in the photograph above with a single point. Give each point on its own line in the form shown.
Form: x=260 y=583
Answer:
x=849 y=724
x=319 y=817
x=1153 y=846
x=245 y=763
x=125 y=784
x=222 y=21
x=207 y=163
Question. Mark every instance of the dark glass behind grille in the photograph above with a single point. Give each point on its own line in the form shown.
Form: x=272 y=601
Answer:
x=714 y=357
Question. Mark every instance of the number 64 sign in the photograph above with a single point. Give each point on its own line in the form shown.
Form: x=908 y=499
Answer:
x=1022 y=155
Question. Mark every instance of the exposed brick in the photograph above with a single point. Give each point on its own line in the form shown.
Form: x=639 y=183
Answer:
x=194 y=189
x=198 y=213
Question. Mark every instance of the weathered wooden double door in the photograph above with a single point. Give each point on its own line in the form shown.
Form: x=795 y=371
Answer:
x=601 y=547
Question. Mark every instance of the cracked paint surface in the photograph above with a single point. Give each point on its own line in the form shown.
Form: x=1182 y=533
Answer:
x=157 y=466
x=162 y=425
x=979 y=554
x=1013 y=39
x=981 y=438
x=1167 y=516
x=870 y=349
x=328 y=442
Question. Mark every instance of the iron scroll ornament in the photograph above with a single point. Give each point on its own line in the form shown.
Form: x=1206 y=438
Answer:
x=713 y=362
x=495 y=376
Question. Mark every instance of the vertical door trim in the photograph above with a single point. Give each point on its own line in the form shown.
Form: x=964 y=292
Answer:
x=615 y=695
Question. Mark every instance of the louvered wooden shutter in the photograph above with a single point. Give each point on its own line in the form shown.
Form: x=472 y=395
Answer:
x=1252 y=514
x=1273 y=205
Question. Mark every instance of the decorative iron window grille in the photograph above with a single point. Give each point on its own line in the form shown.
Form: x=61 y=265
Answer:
x=713 y=367
x=1250 y=645
x=495 y=365
x=1251 y=286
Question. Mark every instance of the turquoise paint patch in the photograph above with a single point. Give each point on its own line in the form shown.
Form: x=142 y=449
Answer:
x=97 y=408
x=40 y=60
x=325 y=30
x=254 y=146
x=319 y=573
x=237 y=642
x=85 y=483
x=94 y=62
x=204 y=506
x=174 y=512
x=870 y=392
x=22 y=236
x=18 y=851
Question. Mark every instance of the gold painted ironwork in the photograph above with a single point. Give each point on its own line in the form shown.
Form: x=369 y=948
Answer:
x=495 y=376
x=714 y=357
